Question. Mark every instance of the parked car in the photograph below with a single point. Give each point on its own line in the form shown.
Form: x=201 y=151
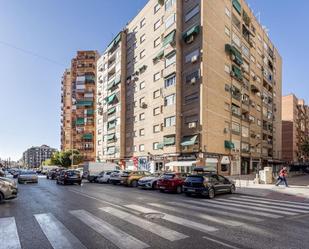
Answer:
x=27 y=176
x=2 y=173
x=171 y=182
x=115 y=177
x=104 y=177
x=16 y=173
x=149 y=182
x=54 y=173
x=208 y=184
x=131 y=178
x=8 y=189
x=69 y=177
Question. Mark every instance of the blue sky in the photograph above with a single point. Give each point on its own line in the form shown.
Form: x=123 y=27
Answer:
x=39 y=38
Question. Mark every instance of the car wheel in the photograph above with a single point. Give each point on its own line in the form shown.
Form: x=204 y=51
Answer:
x=232 y=189
x=154 y=185
x=1 y=197
x=161 y=190
x=108 y=181
x=134 y=184
x=80 y=183
x=211 y=193
x=179 y=190
x=47 y=177
x=57 y=182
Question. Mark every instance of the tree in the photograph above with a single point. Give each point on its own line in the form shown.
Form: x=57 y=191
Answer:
x=47 y=162
x=305 y=148
x=64 y=158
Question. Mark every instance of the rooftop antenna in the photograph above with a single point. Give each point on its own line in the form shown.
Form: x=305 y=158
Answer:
x=258 y=16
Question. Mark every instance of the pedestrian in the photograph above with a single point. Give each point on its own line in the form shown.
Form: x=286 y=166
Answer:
x=282 y=177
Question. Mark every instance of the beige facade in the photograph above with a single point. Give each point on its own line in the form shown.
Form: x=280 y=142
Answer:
x=203 y=84
x=295 y=128
x=79 y=94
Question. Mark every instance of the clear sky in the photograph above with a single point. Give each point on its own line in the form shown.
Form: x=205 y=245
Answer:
x=39 y=38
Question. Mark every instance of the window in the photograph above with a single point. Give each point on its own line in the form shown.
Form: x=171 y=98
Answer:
x=259 y=122
x=252 y=58
x=169 y=4
x=143 y=23
x=235 y=128
x=141 y=147
x=142 y=116
x=170 y=81
x=156 y=76
x=192 y=56
x=193 y=76
x=170 y=100
x=156 y=128
x=227 y=12
x=170 y=21
x=227 y=68
x=245 y=147
x=141 y=100
x=157 y=25
x=155 y=145
x=191 y=98
x=170 y=59
x=156 y=111
x=156 y=8
x=235 y=39
x=170 y=121
x=142 y=38
x=142 y=54
x=157 y=42
x=193 y=12
x=142 y=132
x=245 y=51
x=134 y=148
x=142 y=85
x=156 y=94
x=227 y=31
x=245 y=131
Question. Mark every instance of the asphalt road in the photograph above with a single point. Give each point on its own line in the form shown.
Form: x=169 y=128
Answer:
x=46 y=215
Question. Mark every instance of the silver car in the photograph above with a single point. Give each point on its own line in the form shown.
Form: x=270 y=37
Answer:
x=27 y=177
x=8 y=189
x=149 y=182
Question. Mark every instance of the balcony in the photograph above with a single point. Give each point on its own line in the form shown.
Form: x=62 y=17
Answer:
x=190 y=35
x=236 y=73
x=234 y=54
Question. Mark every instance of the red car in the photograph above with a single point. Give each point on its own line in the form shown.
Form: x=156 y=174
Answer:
x=171 y=182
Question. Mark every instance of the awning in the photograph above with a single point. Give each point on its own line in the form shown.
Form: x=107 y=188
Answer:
x=229 y=145
x=111 y=110
x=188 y=140
x=192 y=31
x=237 y=6
x=84 y=103
x=79 y=121
x=110 y=137
x=159 y=55
x=237 y=72
x=232 y=50
x=114 y=42
x=111 y=98
x=168 y=141
x=88 y=136
x=90 y=112
x=225 y=160
x=111 y=124
x=169 y=38
x=181 y=164
x=160 y=146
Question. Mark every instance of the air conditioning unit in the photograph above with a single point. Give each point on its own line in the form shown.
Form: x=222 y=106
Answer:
x=194 y=58
x=193 y=81
x=143 y=105
x=192 y=125
x=190 y=39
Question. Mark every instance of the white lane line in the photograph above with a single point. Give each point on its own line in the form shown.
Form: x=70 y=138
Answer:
x=277 y=201
x=8 y=234
x=273 y=203
x=199 y=215
x=57 y=234
x=159 y=230
x=251 y=207
x=220 y=242
x=118 y=237
x=216 y=211
x=249 y=204
x=175 y=219
x=212 y=205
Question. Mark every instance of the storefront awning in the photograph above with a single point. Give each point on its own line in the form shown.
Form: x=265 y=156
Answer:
x=188 y=140
x=181 y=164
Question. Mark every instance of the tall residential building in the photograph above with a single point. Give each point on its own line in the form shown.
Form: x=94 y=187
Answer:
x=78 y=105
x=195 y=81
x=34 y=156
x=295 y=128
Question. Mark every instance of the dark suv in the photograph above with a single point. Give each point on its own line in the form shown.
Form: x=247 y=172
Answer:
x=207 y=184
x=69 y=177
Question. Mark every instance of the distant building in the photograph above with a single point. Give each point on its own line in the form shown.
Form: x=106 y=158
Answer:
x=295 y=128
x=34 y=156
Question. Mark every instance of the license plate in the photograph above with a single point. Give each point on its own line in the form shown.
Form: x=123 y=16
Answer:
x=190 y=190
x=121 y=181
x=162 y=187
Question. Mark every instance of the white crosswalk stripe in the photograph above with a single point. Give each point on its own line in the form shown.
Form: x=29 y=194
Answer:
x=273 y=203
x=57 y=234
x=277 y=201
x=116 y=236
x=175 y=219
x=8 y=234
x=247 y=211
x=251 y=207
x=159 y=230
x=215 y=211
x=262 y=205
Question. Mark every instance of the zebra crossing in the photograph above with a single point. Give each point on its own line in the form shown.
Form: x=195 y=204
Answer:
x=207 y=217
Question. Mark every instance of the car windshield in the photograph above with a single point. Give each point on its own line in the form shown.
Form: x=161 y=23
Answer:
x=27 y=173
x=195 y=178
x=168 y=176
x=72 y=173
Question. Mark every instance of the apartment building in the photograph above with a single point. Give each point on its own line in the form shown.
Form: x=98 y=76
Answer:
x=295 y=128
x=34 y=156
x=200 y=85
x=78 y=107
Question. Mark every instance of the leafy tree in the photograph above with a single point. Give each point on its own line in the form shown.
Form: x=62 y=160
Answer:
x=64 y=158
x=305 y=147
x=47 y=162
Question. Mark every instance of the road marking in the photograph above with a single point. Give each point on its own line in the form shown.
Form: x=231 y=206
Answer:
x=159 y=230
x=274 y=203
x=277 y=201
x=199 y=215
x=221 y=243
x=175 y=219
x=57 y=234
x=118 y=237
x=216 y=211
x=275 y=216
x=8 y=234
x=249 y=204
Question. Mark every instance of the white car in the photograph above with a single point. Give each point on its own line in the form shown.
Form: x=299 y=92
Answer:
x=27 y=176
x=149 y=182
x=115 y=177
x=105 y=176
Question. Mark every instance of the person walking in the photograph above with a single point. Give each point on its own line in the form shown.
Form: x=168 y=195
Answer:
x=282 y=177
